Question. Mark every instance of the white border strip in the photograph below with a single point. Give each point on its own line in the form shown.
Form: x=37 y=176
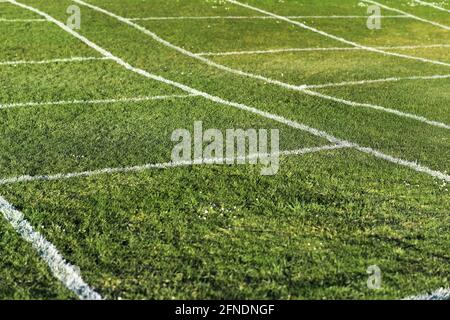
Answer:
x=166 y=165
x=61 y=269
x=232 y=53
x=433 y=5
x=302 y=89
x=443 y=26
x=354 y=44
x=73 y=59
x=99 y=101
x=409 y=164
x=439 y=294
x=257 y=17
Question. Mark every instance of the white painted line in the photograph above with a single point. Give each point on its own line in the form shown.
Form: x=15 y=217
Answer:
x=362 y=82
x=354 y=44
x=376 y=107
x=433 y=5
x=439 y=294
x=409 y=164
x=99 y=101
x=22 y=20
x=166 y=165
x=232 y=53
x=251 y=75
x=409 y=15
x=73 y=59
x=257 y=17
x=60 y=268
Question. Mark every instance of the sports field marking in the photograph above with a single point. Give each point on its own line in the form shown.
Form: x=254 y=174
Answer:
x=166 y=165
x=232 y=53
x=259 y=17
x=433 y=5
x=60 y=268
x=73 y=59
x=354 y=44
x=362 y=82
x=98 y=101
x=22 y=20
x=316 y=132
x=300 y=88
x=409 y=15
x=439 y=294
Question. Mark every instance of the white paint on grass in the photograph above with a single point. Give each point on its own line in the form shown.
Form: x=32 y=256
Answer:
x=166 y=165
x=354 y=44
x=362 y=82
x=73 y=59
x=255 y=76
x=433 y=5
x=22 y=20
x=250 y=52
x=98 y=101
x=436 y=24
x=409 y=164
x=257 y=17
x=60 y=268
x=439 y=294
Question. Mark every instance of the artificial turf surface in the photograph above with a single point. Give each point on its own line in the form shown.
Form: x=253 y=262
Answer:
x=310 y=231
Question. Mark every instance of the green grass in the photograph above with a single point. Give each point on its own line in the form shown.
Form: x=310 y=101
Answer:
x=310 y=231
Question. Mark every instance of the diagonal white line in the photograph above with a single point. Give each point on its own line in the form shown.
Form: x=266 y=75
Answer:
x=302 y=89
x=354 y=44
x=433 y=5
x=166 y=165
x=73 y=59
x=439 y=294
x=232 y=53
x=61 y=269
x=409 y=164
x=99 y=101
x=409 y=15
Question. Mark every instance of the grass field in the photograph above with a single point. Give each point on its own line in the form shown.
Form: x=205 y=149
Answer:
x=86 y=114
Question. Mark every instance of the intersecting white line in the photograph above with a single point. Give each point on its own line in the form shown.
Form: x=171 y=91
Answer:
x=258 y=17
x=433 y=5
x=354 y=44
x=300 y=88
x=232 y=53
x=22 y=20
x=440 y=25
x=165 y=165
x=60 y=268
x=439 y=294
x=300 y=126
x=73 y=59
x=98 y=101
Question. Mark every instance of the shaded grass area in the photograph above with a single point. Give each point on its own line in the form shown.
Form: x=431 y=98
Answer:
x=227 y=232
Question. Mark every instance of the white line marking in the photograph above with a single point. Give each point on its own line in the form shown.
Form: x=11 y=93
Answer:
x=433 y=5
x=232 y=53
x=393 y=79
x=354 y=44
x=99 y=101
x=166 y=165
x=409 y=164
x=255 y=76
x=409 y=15
x=61 y=269
x=22 y=20
x=439 y=294
x=256 y=17
x=73 y=59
